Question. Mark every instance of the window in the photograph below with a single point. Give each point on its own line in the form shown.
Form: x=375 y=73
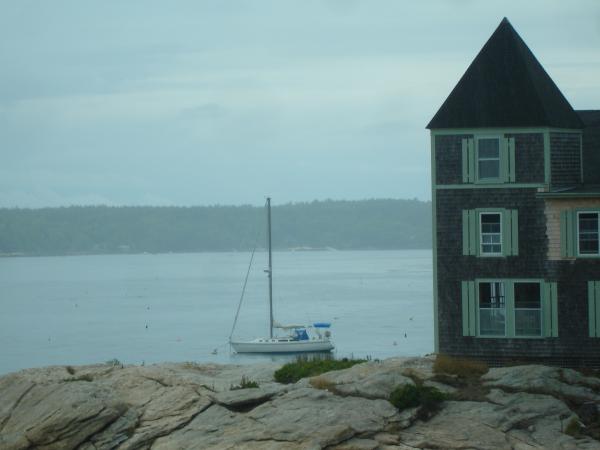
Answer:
x=490 y=233
x=492 y=309
x=514 y=308
x=488 y=158
x=528 y=309
x=580 y=233
x=588 y=233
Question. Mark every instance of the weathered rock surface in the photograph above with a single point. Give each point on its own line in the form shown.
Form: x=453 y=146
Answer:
x=179 y=406
x=566 y=383
x=376 y=379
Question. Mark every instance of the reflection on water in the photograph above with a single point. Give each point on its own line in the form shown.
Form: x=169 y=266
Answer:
x=180 y=307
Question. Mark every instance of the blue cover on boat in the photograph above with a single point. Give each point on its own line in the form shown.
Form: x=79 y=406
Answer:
x=321 y=325
x=301 y=334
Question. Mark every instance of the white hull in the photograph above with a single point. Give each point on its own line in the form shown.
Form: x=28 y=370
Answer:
x=282 y=346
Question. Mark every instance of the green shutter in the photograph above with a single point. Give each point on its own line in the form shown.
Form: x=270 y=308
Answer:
x=469 y=234
x=514 y=238
x=504 y=160
x=473 y=232
x=465 y=232
x=510 y=232
x=465 y=160
x=594 y=308
x=597 y=297
x=506 y=233
x=511 y=160
x=471 y=147
x=469 y=308
x=567 y=233
x=468 y=160
x=550 y=309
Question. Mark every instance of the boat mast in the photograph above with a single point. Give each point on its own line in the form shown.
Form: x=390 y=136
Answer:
x=270 y=271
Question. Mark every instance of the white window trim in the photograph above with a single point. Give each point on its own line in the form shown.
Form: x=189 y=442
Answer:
x=540 y=309
x=509 y=307
x=477 y=159
x=488 y=254
x=589 y=255
x=505 y=334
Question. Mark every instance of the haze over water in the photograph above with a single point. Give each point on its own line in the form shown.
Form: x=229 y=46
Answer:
x=180 y=307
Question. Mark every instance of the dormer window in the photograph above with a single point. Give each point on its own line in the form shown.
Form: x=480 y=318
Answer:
x=488 y=159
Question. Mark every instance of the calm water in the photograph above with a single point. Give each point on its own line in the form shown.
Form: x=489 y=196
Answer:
x=179 y=307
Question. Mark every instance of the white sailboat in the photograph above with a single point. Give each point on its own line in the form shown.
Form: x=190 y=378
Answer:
x=297 y=338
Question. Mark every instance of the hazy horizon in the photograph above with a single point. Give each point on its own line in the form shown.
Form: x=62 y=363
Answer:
x=274 y=203
x=219 y=102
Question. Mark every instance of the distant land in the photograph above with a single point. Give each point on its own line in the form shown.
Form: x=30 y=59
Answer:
x=329 y=224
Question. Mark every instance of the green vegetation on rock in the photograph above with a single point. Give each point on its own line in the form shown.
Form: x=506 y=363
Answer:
x=460 y=367
x=245 y=383
x=427 y=398
x=302 y=368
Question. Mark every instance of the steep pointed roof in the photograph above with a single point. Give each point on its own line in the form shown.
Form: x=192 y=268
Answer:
x=505 y=86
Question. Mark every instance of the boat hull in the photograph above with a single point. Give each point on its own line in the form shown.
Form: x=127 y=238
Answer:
x=267 y=346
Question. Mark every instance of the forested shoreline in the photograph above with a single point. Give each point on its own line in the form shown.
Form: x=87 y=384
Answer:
x=340 y=225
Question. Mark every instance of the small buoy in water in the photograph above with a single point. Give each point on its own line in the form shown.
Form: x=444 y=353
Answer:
x=410 y=318
x=146 y=326
x=395 y=343
x=404 y=334
x=214 y=352
x=148 y=308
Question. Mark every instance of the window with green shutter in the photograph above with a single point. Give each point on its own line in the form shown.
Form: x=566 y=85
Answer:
x=488 y=159
x=580 y=233
x=490 y=232
x=594 y=308
x=519 y=308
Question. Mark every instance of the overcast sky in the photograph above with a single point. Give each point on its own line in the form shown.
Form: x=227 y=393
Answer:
x=205 y=102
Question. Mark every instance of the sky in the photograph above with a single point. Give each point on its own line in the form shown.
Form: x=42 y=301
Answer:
x=226 y=102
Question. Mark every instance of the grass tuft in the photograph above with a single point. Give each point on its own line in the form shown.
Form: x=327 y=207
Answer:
x=302 y=368
x=427 y=398
x=322 y=383
x=573 y=428
x=245 y=383
x=460 y=367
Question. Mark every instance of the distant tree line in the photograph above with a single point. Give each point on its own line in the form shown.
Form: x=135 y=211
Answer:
x=342 y=225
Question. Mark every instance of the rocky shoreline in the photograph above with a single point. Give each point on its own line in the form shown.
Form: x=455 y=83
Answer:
x=188 y=405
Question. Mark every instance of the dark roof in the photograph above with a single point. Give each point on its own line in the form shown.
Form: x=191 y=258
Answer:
x=591 y=146
x=505 y=86
x=589 y=117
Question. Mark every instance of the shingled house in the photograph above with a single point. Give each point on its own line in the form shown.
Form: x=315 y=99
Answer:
x=516 y=205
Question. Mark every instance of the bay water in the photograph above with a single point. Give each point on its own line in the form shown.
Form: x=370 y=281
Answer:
x=143 y=309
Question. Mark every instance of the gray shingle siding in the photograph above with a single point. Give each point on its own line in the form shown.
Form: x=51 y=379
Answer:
x=573 y=347
x=448 y=159
x=565 y=159
x=529 y=157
